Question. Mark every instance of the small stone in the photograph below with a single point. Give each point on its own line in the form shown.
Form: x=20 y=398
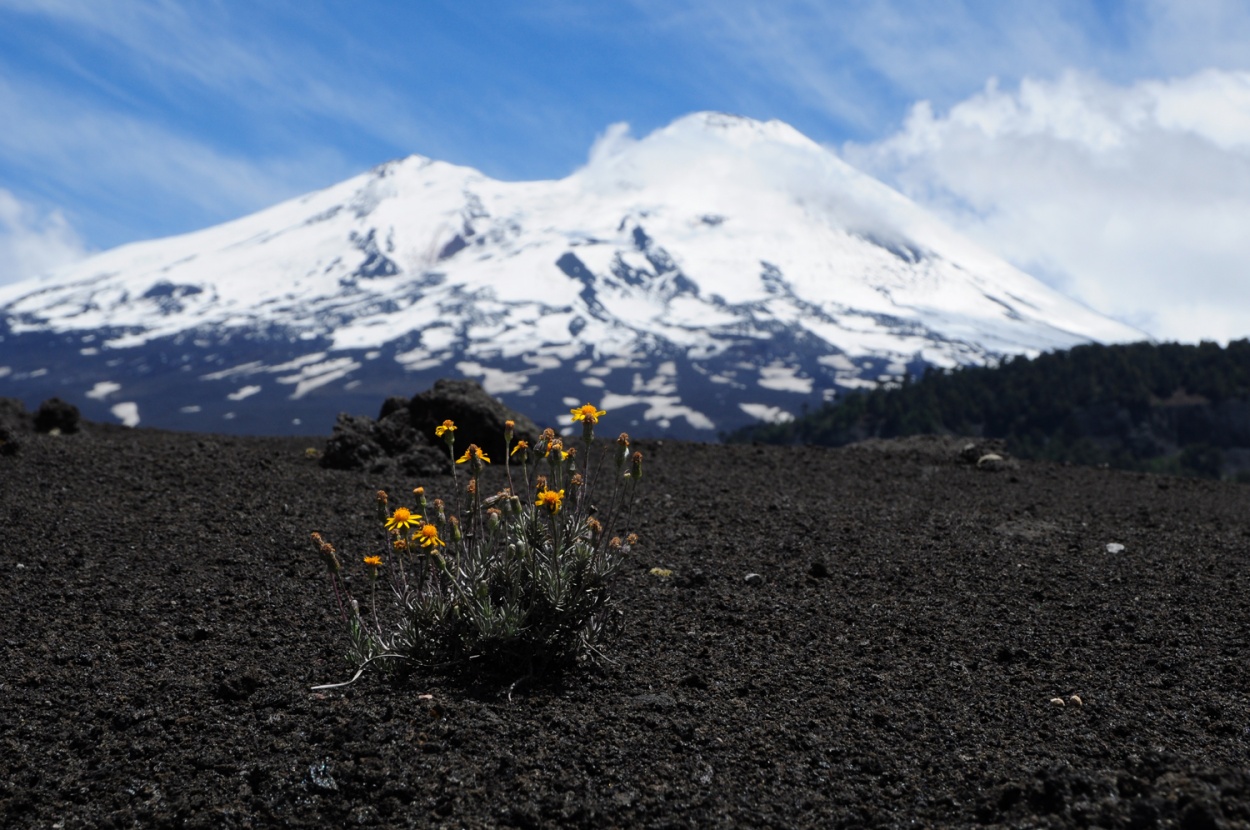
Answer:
x=319 y=779
x=1056 y=701
x=1075 y=701
x=991 y=461
x=753 y=579
x=1115 y=547
x=663 y=573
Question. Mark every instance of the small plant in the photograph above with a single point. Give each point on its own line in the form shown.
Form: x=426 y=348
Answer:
x=510 y=585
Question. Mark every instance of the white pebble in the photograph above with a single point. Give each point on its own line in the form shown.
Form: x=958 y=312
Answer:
x=1056 y=701
x=1115 y=547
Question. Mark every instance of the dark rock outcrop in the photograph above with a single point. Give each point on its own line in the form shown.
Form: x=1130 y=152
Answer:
x=14 y=420
x=57 y=415
x=403 y=434
x=479 y=417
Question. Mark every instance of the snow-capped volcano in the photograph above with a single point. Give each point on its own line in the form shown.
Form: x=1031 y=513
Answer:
x=717 y=271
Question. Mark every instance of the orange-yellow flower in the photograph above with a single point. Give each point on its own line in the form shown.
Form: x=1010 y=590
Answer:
x=401 y=519
x=373 y=561
x=428 y=535
x=587 y=412
x=553 y=500
x=520 y=445
x=474 y=451
x=447 y=426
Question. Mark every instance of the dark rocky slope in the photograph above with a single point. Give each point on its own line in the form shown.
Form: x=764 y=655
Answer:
x=164 y=617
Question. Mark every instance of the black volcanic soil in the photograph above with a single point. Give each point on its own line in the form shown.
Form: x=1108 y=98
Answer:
x=164 y=617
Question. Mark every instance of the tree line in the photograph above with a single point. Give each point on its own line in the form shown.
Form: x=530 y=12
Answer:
x=1163 y=407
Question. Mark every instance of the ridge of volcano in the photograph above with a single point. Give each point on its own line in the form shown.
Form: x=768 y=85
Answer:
x=718 y=271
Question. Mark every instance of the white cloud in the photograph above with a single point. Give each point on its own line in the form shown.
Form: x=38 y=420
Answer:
x=33 y=243
x=611 y=142
x=1132 y=198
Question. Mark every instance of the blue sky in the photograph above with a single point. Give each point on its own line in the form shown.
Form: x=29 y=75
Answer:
x=1102 y=146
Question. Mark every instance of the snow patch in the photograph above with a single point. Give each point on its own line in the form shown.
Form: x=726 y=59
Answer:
x=661 y=409
x=318 y=375
x=494 y=381
x=782 y=378
x=103 y=389
x=764 y=412
x=243 y=369
x=127 y=413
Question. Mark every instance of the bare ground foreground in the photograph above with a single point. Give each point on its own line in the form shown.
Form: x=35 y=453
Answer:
x=164 y=617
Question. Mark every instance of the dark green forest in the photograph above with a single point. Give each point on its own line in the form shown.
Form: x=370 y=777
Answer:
x=1166 y=407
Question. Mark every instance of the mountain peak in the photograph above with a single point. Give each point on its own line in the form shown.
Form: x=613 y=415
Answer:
x=738 y=128
x=718 y=270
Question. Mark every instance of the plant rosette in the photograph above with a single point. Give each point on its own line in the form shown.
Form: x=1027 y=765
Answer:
x=510 y=585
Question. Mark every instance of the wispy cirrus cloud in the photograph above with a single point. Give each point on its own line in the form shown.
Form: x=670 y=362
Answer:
x=863 y=63
x=167 y=48
x=107 y=156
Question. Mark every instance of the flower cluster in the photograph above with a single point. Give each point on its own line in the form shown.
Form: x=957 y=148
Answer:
x=518 y=586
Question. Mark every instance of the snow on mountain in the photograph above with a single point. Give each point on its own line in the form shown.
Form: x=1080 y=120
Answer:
x=717 y=271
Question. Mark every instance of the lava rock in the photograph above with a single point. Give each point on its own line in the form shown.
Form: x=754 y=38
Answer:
x=479 y=417
x=352 y=446
x=56 y=414
x=403 y=435
x=14 y=418
x=974 y=452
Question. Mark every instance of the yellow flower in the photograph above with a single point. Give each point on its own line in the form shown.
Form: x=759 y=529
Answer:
x=401 y=519
x=473 y=452
x=428 y=534
x=520 y=445
x=550 y=499
x=448 y=426
x=373 y=561
x=587 y=412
